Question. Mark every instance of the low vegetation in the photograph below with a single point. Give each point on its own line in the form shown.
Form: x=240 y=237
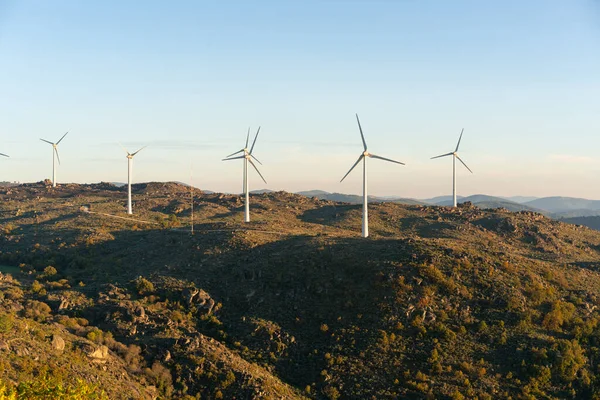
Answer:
x=439 y=303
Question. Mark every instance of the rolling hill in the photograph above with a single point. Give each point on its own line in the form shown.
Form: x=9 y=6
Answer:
x=592 y=222
x=565 y=204
x=439 y=303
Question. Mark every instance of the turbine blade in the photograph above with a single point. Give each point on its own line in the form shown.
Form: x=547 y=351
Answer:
x=57 y=156
x=386 y=159
x=63 y=136
x=123 y=147
x=139 y=151
x=255 y=137
x=256 y=159
x=463 y=163
x=233 y=158
x=233 y=154
x=443 y=155
x=247 y=138
x=44 y=140
x=459 y=139
x=254 y=165
x=355 y=164
x=361 y=133
x=4 y=155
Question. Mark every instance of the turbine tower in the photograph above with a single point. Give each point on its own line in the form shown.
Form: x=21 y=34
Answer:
x=363 y=157
x=130 y=176
x=455 y=156
x=54 y=152
x=247 y=157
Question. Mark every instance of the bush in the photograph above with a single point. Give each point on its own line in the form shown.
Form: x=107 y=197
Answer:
x=143 y=286
x=569 y=359
x=37 y=310
x=331 y=393
x=132 y=356
x=37 y=287
x=49 y=271
x=162 y=378
x=13 y=293
x=95 y=335
x=561 y=313
x=50 y=388
x=7 y=321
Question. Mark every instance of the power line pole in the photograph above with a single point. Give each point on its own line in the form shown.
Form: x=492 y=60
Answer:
x=192 y=195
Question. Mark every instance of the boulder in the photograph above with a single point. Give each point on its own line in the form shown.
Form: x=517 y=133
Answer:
x=58 y=343
x=97 y=354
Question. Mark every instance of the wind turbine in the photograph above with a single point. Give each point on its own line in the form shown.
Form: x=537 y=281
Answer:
x=130 y=176
x=247 y=157
x=3 y=155
x=54 y=152
x=363 y=157
x=455 y=156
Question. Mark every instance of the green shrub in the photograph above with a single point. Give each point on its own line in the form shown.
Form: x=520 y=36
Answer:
x=49 y=271
x=7 y=321
x=95 y=335
x=569 y=359
x=37 y=310
x=560 y=313
x=143 y=286
x=52 y=388
x=331 y=393
x=162 y=378
x=37 y=287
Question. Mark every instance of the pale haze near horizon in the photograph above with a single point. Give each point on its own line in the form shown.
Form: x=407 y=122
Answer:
x=188 y=78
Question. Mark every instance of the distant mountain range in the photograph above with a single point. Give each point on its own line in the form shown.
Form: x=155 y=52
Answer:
x=568 y=209
x=567 y=206
x=356 y=199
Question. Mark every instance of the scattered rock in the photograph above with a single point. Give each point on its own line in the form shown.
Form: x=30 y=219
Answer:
x=200 y=298
x=97 y=354
x=58 y=343
x=64 y=304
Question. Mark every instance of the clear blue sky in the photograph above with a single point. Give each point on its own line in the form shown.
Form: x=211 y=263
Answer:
x=187 y=78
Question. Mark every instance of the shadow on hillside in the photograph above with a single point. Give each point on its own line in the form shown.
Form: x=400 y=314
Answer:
x=426 y=228
x=339 y=215
x=329 y=215
x=592 y=266
x=299 y=283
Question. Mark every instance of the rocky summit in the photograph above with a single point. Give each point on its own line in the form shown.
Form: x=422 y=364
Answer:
x=439 y=303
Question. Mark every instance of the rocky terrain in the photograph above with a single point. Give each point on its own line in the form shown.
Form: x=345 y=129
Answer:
x=438 y=303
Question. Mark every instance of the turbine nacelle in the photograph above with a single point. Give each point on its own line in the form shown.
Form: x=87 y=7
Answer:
x=247 y=154
x=131 y=155
x=455 y=152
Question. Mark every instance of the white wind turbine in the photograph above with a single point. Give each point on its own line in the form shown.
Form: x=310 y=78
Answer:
x=54 y=152
x=247 y=156
x=130 y=176
x=455 y=156
x=363 y=157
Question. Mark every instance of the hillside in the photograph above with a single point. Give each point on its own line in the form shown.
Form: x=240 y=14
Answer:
x=439 y=303
x=590 y=222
